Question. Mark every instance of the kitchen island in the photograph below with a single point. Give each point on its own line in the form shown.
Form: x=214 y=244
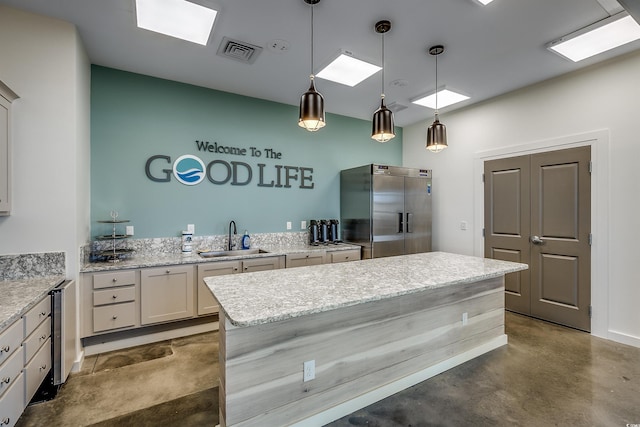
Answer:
x=367 y=329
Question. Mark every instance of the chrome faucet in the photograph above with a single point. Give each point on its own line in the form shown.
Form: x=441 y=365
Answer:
x=235 y=231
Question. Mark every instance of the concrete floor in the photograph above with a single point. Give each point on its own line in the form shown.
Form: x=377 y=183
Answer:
x=547 y=376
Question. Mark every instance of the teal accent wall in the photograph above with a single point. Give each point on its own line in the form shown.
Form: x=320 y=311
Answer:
x=134 y=117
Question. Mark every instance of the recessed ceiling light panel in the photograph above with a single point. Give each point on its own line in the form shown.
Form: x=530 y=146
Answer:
x=446 y=97
x=347 y=70
x=602 y=36
x=176 y=18
x=483 y=2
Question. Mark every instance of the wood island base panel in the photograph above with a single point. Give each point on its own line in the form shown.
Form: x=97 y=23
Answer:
x=361 y=352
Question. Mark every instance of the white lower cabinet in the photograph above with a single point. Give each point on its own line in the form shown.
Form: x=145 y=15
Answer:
x=36 y=370
x=207 y=304
x=12 y=403
x=25 y=360
x=166 y=294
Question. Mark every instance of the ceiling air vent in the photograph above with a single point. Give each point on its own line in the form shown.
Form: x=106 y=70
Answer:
x=240 y=51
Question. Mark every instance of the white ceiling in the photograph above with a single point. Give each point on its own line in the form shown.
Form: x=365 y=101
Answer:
x=490 y=50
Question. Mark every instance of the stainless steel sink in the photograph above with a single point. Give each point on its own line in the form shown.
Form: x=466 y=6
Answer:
x=215 y=254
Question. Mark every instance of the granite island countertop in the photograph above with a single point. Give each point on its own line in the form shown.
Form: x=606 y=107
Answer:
x=250 y=299
x=19 y=296
x=151 y=260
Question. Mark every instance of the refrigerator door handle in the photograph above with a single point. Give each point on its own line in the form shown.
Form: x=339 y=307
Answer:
x=399 y=222
x=409 y=222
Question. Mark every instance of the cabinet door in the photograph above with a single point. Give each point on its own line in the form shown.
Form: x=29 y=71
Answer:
x=261 y=264
x=12 y=403
x=207 y=304
x=5 y=163
x=166 y=294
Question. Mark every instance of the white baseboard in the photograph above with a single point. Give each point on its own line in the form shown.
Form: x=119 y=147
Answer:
x=387 y=390
x=77 y=364
x=104 y=347
x=624 y=338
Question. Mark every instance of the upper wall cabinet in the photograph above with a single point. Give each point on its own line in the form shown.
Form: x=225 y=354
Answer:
x=7 y=96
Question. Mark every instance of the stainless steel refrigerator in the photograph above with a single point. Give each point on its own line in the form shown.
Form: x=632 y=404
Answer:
x=386 y=209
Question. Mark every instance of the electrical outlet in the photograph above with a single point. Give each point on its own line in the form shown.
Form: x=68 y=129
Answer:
x=288 y=225
x=309 y=370
x=303 y=225
x=465 y=319
x=129 y=230
x=191 y=228
x=463 y=225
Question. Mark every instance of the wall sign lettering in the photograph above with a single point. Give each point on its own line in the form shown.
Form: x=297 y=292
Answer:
x=192 y=170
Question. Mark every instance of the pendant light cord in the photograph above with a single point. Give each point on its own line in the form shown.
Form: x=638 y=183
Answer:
x=311 y=74
x=436 y=87
x=382 y=91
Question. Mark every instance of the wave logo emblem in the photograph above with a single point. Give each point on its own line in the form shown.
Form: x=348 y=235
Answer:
x=188 y=169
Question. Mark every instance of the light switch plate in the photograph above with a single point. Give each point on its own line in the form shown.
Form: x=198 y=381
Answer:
x=288 y=225
x=129 y=230
x=191 y=228
x=309 y=368
x=303 y=225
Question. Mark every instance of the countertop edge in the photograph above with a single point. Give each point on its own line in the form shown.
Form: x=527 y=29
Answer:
x=194 y=258
x=43 y=285
x=500 y=268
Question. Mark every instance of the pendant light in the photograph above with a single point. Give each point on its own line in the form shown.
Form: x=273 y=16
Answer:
x=437 y=132
x=311 y=103
x=383 y=128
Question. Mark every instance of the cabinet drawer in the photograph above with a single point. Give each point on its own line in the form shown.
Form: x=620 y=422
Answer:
x=36 y=339
x=118 y=278
x=37 y=315
x=114 y=316
x=36 y=371
x=114 y=296
x=9 y=371
x=261 y=264
x=344 y=256
x=10 y=341
x=12 y=403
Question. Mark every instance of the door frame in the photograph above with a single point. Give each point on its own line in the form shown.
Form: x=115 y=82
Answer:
x=600 y=177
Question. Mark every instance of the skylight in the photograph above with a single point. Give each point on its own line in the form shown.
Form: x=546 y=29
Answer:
x=347 y=70
x=446 y=97
x=600 y=37
x=176 y=18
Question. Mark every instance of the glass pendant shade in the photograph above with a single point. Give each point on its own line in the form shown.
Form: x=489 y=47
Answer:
x=311 y=109
x=383 y=128
x=436 y=136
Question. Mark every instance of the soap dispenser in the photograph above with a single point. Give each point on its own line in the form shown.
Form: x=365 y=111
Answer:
x=246 y=240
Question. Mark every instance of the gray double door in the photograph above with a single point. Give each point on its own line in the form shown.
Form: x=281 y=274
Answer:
x=538 y=211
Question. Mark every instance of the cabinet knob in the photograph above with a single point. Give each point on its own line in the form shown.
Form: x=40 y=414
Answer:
x=168 y=271
x=44 y=313
x=5 y=349
x=346 y=257
x=246 y=268
x=114 y=280
x=235 y=268
x=6 y=380
x=44 y=337
x=114 y=317
x=43 y=367
x=7 y=420
x=115 y=296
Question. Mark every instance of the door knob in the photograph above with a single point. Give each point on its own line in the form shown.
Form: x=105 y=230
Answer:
x=536 y=240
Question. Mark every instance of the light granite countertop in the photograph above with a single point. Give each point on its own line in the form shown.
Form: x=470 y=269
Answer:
x=141 y=261
x=262 y=297
x=20 y=295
